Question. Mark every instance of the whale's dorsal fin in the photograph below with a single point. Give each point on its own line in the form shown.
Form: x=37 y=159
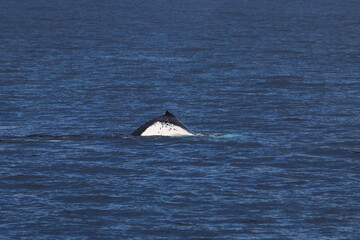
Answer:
x=168 y=114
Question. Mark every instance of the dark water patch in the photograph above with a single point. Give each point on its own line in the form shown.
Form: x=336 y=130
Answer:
x=21 y=177
x=292 y=119
x=27 y=186
x=349 y=143
x=356 y=153
x=96 y=199
x=76 y=137
x=191 y=50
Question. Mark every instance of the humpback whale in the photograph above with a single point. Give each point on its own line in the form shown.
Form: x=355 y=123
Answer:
x=164 y=125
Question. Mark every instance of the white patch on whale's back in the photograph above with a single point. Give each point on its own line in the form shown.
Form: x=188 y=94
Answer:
x=165 y=129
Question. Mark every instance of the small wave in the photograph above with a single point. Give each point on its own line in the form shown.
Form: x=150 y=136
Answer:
x=7 y=127
x=222 y=135
x=66 y=137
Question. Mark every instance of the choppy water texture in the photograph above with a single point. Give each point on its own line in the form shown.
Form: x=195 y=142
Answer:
x=272 y=86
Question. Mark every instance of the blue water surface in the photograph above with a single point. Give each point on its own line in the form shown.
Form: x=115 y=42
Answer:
x=271 y=87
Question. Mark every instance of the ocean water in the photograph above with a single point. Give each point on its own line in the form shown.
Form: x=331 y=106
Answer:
x=271 y=87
